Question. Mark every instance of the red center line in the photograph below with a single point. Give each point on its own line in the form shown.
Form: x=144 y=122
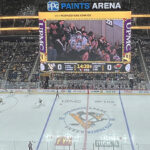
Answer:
x=86 y=126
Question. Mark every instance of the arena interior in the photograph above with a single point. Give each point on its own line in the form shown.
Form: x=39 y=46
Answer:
x=72 y=111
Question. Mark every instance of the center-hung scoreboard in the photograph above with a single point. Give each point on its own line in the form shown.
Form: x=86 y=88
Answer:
x=96 y=39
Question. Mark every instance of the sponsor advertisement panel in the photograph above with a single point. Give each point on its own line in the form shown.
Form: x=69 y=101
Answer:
x=70 y=91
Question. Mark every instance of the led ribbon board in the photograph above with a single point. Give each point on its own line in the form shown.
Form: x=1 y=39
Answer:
x=85 y=42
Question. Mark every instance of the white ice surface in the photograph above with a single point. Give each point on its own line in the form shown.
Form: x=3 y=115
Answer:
x=23 y=120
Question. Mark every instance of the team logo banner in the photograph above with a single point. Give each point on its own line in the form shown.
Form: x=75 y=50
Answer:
x=42 y=36
x=127 y=35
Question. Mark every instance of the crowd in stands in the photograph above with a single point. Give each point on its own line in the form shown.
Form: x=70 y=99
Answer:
x=140 y=6
x=145 y=47
x=136 y=63
x=23 y=61
x=69 y=43
x=91 y=81
x=17 y=60
x=105 y=81
x=7 y=50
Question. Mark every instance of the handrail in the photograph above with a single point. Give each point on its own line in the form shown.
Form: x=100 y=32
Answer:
x=34 y=67
x=18 y=17
x=19 y=28
x=36 y=17
x=140 y=27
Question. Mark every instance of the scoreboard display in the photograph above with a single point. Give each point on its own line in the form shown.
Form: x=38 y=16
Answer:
x=85 y=67
x=85 y=42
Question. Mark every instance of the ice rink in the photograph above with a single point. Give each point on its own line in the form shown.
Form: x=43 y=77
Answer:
x=75 y=122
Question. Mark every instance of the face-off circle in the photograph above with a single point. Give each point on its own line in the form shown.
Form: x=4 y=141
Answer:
x=96 y=120
x=8 y=103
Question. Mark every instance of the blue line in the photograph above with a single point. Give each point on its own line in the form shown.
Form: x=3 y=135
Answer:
x=46 y=123
x=127 y=125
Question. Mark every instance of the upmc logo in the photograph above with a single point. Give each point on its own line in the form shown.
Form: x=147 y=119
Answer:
x=52 y=6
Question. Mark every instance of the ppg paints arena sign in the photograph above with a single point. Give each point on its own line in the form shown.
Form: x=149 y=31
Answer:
x=63 y=6
x=76 y=120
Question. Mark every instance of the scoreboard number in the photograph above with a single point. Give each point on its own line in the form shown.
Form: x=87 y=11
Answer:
x=109 y=67
x=59 y=67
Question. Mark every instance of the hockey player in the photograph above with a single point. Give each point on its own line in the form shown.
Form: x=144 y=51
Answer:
x=1 y=100
x=30 y=146
x=40 y=101
x=57 y=94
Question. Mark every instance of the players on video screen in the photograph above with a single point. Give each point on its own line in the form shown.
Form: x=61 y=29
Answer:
x=69 y=43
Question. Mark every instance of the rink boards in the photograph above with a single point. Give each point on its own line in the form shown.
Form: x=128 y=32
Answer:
x=75 y=91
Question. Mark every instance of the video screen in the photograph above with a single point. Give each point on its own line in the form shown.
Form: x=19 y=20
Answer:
x=84 y=40
x=87 y=42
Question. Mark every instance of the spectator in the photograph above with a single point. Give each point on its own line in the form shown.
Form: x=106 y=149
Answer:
x=52 y=53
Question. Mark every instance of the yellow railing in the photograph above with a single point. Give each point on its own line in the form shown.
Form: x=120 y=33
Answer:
x=37 y=28
x=140 y=27
x=141 y=16
x=18 y=17
x=19 y=28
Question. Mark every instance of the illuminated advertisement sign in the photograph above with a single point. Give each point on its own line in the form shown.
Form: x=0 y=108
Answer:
x=86 y=6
